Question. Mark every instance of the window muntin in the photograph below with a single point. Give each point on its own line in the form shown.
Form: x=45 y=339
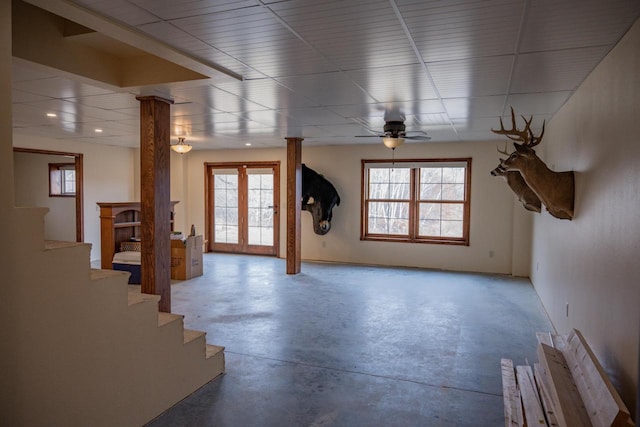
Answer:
x=416 y=201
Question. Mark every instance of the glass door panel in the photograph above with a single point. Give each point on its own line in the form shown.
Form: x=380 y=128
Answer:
x=225 y=192
x=241 y=208
x=260 y=207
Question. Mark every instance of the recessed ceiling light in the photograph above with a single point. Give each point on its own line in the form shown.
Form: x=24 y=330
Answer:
x=248 y=144
x=52 y=115
x=98 y=130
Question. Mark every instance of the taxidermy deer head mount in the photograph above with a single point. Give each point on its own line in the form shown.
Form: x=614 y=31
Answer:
x=515 y=181
x=554 y=189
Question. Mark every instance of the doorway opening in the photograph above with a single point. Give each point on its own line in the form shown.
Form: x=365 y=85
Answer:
x=74 y=159
x=241 y=207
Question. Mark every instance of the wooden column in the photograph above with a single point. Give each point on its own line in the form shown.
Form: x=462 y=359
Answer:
x=294 y=196
x=155 y=206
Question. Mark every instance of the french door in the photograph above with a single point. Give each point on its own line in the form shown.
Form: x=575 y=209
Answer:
x=242 y=207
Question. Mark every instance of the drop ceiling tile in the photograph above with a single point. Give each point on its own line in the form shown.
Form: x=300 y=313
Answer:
x=182 y=40
x=314 y=116
x=256 y=38
x=80 y=112
x=109 y=101
x=537 y=103
x=182 y=8
x=346 y=130
x=22 y=70
x=484 y=106
x=395 y=84
x=267 y=92
x=472 y=77
x=217 y=99
x=57 y=87
x=376 y=38
x=121 y=10
x=327 y=89
x=462 y=29
x=554 y=25
x=554 y=71
x=189 y=109
x=19 y=97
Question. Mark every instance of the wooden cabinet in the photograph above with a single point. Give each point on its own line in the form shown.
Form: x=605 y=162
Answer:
x=120 y=222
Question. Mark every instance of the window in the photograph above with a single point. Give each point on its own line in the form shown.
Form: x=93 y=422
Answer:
x=62 y=179
x=422 y=201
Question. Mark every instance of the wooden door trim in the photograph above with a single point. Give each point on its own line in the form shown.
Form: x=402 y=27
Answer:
x=78 y=160
x=209 y=202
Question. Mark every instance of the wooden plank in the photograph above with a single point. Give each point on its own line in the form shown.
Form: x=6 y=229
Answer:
x=511 y=396
x=559 y=341
x=604 y=405
x=544 y=338
x=533 y=413
x=569 y=408
x=294 y=197
x=542 y=382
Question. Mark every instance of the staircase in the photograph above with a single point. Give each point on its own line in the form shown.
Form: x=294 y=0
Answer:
x=91 y=350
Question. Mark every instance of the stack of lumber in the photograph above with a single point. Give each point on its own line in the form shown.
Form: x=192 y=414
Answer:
x=567 y=388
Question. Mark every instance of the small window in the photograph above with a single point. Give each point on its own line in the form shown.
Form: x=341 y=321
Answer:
x=422 y=201
x=62 y=179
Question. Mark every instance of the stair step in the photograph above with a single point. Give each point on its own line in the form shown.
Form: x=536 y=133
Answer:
x=213 y=350
x=191 y=335
x=166 y=318
x=137 y=298
x=57 y=244
x=98 y=274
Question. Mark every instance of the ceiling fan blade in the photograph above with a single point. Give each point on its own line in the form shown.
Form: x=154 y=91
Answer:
x=418 y=137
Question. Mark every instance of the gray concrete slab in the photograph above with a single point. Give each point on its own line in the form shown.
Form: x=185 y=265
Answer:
x=345 y=345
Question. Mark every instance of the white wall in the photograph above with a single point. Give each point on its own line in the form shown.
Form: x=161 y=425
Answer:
x=32 y=190
x=108 y=174
x=492 y=204
x=591 y=263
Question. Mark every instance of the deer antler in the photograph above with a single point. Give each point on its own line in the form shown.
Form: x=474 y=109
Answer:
x=505 y=152
x=525 y=136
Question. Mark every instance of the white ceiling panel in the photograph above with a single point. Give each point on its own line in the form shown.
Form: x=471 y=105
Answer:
x=267 y=92
x=545 y=103
x=554 y=25
x=327 y=89
x=256 y=38
x=182 y=40
x=329 y=70
x=109 y=101
x=217 y=99
x=183 y=8
x=58 y=87
x=375 y=38
x=472 y=77
x=315 y=116
x=554 y=71
x=484 y=106
x=395 y=84
x=463 y=29
x=121 y=10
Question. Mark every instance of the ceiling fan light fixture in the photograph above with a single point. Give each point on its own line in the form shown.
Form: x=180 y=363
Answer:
x=392 y=142
x=181 y=147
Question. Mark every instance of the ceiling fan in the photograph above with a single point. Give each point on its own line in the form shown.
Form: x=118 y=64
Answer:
x=394 y=134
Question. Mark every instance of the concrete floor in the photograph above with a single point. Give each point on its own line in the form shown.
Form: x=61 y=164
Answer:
x=353 y=345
